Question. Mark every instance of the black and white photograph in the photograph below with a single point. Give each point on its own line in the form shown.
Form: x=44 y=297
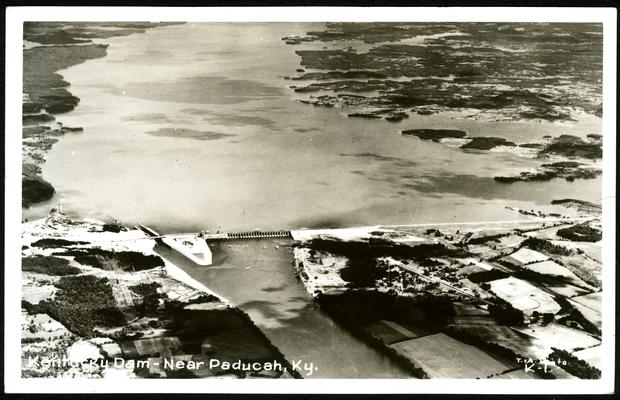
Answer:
x=399 y=197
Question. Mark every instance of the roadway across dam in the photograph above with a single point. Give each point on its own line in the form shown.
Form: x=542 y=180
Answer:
x=248 y=235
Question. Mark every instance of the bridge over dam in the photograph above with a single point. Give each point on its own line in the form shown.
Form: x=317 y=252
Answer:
x=248 y=235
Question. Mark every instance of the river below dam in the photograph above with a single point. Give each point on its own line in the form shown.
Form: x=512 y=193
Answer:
x=257 y=276
x=192 y=127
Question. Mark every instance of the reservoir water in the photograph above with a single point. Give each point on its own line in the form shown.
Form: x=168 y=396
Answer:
x=193 y=127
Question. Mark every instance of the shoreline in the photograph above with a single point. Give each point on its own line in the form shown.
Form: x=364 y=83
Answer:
x=48 y=48
x=45 y=280
x=177 y=273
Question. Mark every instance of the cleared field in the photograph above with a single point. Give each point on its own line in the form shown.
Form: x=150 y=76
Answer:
x=441 y=356
x=524 y=296
x=156 y=345
x=472 y=261
x=483 y=250
x=567 y=290
x=590 y=314
x=461 y=309
x=520 y=344
x=550 y=268
x=591 y=355
x=46 y=327
x=592 y=250
x=524 y=256
x=510 y=241
x=559 y=336
x=584 y=267
x=390 y=332
x=112 y=350
x=549 y=233
x=592 y=300
x=34 y=294
x=470 y=269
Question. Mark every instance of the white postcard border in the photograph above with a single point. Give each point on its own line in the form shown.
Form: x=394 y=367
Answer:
x=13 y=87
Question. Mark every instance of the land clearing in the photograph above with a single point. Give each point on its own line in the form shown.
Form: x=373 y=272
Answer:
x=591 y=355
x=589 y=306
x=559 y=336
x=551 y=268
x=592 y=250
x=441 y=356
x=389 y=332
x=567 y=290
x=524 y=256
x=320 y=271
x=524 y=296
x=548 y=233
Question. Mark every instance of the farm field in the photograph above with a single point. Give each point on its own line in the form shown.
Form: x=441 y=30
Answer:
x=559 y=336
x=390 y=332
x=441 y=356
x=567 y=290
x=47 y=327
x=481 y=264
x=592 y=300
x=589 y=307
x=584 y=267
x=483 y=250
x=522 y=345
x=550 y=268
x=591 y=355
x=549 y=233
x=162 y=345
x=525 y=256
x=507 y=242
x=35 y=293
x=592 y=250
x=523 y=296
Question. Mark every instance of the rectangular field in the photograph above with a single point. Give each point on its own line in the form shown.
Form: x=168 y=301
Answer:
x=524 y=296
x=441 y=356
x=590 y=306
x=590 y=314
x=559 y=336
x=566 y=290
x=155 y=346
x=592 y=300
x=505 y=336
x=525 y=256
x=591 y=355
x=390 y=332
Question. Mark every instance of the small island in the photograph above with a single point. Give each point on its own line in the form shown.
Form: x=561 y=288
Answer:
x=486 y=143
x=435 y=134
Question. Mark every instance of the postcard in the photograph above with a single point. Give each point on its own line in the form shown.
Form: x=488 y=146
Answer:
x=310 y=200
